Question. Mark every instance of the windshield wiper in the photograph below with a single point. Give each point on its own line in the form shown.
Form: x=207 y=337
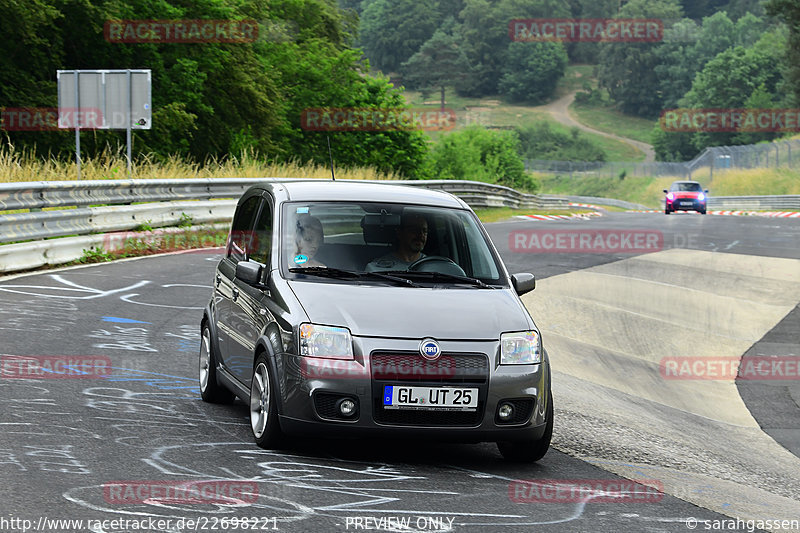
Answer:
x=325 y=272
x=442 y=276
x=337 y=273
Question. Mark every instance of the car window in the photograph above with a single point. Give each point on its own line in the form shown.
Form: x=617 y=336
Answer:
x=368 y=237
x=687 y=187
x=242 y=229
x=261 y=244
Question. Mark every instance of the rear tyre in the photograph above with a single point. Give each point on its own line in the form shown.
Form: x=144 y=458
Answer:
x=210 y=390
x=263 y=407
x=530 y=451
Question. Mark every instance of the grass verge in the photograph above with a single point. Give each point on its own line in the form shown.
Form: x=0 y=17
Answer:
x=609 y=120
x=648 y=191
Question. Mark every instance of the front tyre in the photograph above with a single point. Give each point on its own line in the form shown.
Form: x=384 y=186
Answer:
x=263 y=407
x=210 y=390
x=530 y=451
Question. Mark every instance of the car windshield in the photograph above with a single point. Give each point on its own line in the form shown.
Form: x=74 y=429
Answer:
x=687 y=187
x=383 y=243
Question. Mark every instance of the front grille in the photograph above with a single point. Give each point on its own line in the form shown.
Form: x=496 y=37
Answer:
x=412 y=367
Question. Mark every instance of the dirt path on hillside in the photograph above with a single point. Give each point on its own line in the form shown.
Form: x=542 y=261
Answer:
x=560 y=112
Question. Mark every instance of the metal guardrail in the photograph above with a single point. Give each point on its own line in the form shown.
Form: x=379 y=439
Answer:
x=89 y=208
x=771 y=203
x=166 y=201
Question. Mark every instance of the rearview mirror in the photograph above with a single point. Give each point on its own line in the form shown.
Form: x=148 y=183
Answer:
x=523 y=282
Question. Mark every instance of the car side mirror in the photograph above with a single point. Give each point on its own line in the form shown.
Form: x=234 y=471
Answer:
x=706 y=191
x=665 y=190
x=523 y=283
x=250 y=273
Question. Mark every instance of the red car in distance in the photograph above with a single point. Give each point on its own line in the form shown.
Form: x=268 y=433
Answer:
x=685 y=196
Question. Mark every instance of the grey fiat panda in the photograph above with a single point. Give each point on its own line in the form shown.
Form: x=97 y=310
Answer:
x=352 y=309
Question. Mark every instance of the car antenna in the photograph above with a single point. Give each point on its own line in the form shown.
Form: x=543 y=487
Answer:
x=333 y=178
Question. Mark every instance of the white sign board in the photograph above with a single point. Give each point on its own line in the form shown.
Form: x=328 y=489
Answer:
x=104 y=99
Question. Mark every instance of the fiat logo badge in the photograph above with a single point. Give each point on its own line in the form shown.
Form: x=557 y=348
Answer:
x=429 y=349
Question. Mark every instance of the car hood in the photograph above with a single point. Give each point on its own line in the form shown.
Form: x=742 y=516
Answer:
x=686 y=194
x=408 y=312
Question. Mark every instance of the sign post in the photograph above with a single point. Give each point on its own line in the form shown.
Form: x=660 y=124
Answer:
x=104 y=99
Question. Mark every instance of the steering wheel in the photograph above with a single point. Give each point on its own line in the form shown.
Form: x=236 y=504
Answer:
x=436 y=263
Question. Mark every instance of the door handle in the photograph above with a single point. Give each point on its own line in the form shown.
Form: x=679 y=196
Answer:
x=235 y=293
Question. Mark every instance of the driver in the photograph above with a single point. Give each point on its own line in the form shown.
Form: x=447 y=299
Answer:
x=411 y=238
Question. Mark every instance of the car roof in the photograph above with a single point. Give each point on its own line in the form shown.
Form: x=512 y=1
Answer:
x=358 y=191
x=685 y=181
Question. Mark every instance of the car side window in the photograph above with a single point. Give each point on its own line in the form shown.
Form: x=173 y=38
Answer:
x=242 y=230
x=261 y=245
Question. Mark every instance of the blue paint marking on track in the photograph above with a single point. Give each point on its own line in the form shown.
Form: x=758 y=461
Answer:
x=123 y=320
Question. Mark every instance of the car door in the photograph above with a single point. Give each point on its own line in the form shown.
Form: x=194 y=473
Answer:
x=238 y=243
x=249 y=316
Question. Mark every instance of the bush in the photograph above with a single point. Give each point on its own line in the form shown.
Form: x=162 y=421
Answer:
x=540 y=141
x=481 y=155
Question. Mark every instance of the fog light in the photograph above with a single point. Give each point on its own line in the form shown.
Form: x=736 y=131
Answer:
x=505 y=412
x=347 y=407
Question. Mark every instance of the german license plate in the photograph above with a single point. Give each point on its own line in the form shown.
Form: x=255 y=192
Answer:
x=450 y=398
x=687 y=204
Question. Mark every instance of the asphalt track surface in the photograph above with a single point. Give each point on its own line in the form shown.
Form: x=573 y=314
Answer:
x=715 y=287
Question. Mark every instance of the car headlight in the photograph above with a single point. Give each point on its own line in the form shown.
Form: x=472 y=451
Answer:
x=670 y=196
x=325 y=341
x=701 y=197
x=520 y=348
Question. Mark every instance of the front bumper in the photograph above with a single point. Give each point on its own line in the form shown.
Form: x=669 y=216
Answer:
x=686 y=204
x=310 y=389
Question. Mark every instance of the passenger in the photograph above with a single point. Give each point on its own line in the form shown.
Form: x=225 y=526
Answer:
x=308 y=238
x=411 y=238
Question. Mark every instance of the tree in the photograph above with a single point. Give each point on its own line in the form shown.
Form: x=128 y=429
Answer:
x=486 y=37
x=789 y=12
x=732 y=79
x=393 y=30
x=212 y=100
x=532 y=71
x=627 y=70
x=440 y=61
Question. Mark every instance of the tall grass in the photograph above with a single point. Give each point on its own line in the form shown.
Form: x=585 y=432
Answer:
x=17 y=166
